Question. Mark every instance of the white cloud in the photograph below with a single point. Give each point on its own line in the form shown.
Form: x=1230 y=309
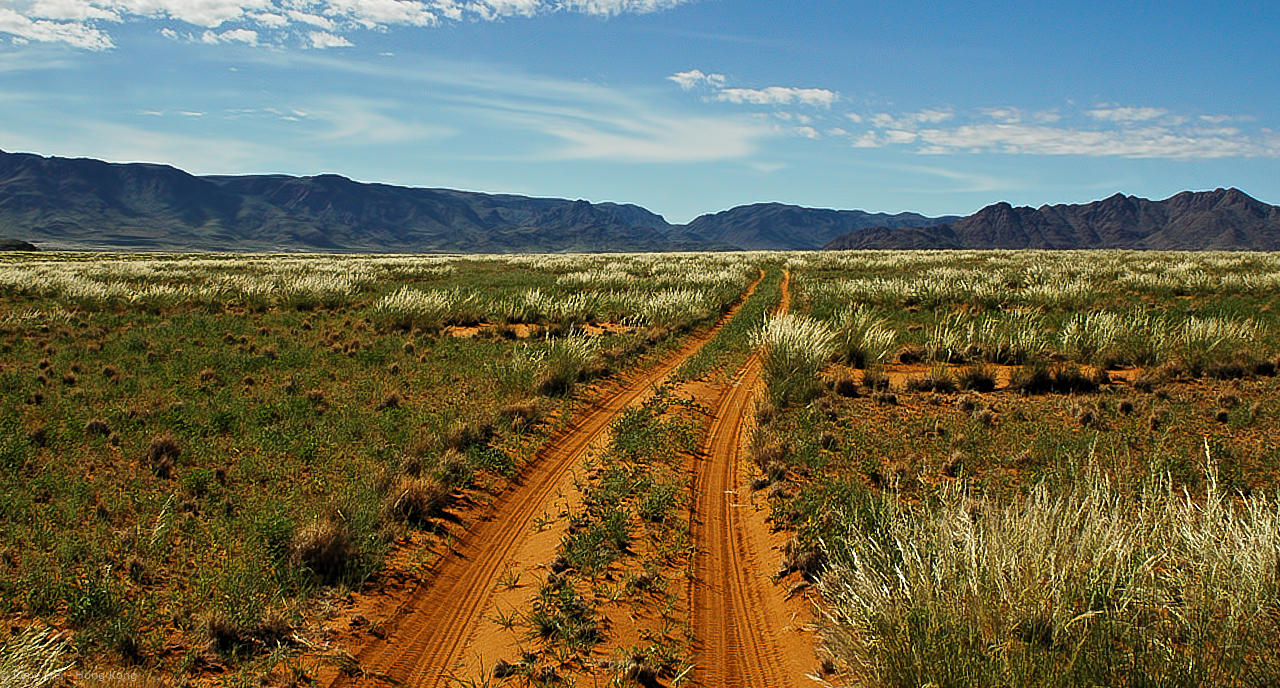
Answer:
x=779 y=95
x=324 y=39
x=694 y=78
x=773 y=95
x=77 y=34
x=305 y=18
x=1126 y=114
x=76 y=10
x=614 y=7
x=207 y=13
x=1046 y=116
x=808 y=132
x=79 y=23
x=901 y=136
x=1147 y=142
x=867 y=140
x=1005 y=115
x=245 y=36
x=909 y=120
x=270 y=19
x=371 y=14
x=1133 y=132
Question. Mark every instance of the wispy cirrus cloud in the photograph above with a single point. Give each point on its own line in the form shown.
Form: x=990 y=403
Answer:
x=78 y=33
x=1126 y=114
x=1101 y=131
x=778 y=95
x=695 y=77
x=85 y=23
x=771 y=95
x=717 y=89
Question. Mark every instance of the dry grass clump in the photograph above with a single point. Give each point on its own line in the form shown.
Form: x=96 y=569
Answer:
x=522 y=415
x=1061 y=379
x=326 y=547
x=874 y=378
x=392 y=400
x=97 y=426
x=636 y=668
x=223 y=633
x=463 y=436
x=1094 y=585
x=414 y=499
x=162 y=455
x=979 y=378
x=885 y=398
x=33 y=659
x=808 y=561
x=938 y=380
x=769 y=453
x=846 y=387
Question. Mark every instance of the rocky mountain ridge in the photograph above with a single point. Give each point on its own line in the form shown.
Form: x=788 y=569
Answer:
x=65 y=203
x=1222 y=219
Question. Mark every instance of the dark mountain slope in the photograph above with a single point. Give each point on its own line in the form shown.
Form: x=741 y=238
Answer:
x=67 y=203
x=1223 y=219
x=766 y=226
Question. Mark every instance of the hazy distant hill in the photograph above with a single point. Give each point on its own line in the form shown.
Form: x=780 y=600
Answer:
x=1223 y=219
x=61 y=203
x=765 y=226
x=65 y=203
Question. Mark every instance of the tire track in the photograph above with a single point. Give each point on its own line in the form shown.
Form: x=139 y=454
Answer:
x=430 y=634
x=737 y=613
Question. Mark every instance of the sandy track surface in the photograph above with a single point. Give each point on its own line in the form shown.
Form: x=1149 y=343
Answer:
x=428 y=636
x=745 y=632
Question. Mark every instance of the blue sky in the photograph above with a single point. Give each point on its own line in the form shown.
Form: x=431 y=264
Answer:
x=682 y=106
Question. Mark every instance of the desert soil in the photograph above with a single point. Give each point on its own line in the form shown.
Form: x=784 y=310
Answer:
x=426 y=631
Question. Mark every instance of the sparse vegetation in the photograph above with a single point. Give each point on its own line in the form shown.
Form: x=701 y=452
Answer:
x=1093 y=586
x=231 y=435
x=232 y=439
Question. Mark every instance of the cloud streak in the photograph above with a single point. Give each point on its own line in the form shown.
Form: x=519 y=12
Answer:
x=84 y=23
x=778 y=95
x=1101 y=131
x=772 y=95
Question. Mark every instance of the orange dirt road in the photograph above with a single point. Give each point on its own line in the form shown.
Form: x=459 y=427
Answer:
x=424 y=641
x=744 y=631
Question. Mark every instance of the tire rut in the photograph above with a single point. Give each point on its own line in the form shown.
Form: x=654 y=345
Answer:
x=429 y=636
x=736 y=611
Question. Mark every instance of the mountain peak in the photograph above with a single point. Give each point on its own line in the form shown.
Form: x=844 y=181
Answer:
x=1222 y=219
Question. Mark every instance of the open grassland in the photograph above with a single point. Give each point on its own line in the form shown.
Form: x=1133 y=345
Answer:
x=1024 y=469
x=994 y=468
x=196 y=452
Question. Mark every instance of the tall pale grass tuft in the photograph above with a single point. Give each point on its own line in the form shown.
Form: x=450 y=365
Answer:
x=31 y=659
x=1089 y=587
x=863 y=338
x=793 y=350
x=408 y=308
x=565 y=363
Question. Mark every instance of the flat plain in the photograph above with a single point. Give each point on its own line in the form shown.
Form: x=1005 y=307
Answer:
x=719 y=469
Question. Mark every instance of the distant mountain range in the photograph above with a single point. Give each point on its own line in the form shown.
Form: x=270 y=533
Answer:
x=1223 y=219
x=62 y=203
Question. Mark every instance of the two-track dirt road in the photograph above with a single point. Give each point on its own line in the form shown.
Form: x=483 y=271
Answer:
x=429 y=634
x=745 y=633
